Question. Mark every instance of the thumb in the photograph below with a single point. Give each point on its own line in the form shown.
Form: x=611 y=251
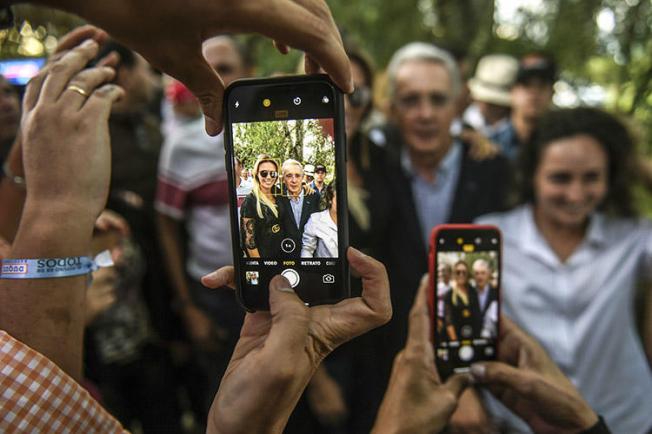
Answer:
x=498 y=374
x=290 y=318
x=202 y=80
x=457 y=384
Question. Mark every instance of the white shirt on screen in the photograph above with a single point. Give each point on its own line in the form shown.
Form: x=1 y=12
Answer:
x=319 y=236
x=581 y=311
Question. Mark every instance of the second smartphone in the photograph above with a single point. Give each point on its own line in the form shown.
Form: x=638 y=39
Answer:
x=464 y=296
x=285 y=150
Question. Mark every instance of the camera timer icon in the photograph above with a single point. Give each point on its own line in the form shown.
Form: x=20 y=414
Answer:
x=328 y=278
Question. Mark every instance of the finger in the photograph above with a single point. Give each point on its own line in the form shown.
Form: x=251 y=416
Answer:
x=88 y=80
x=498 y=374
x=457 y=384
x=418 y=328
x=310 y=29
x=202 y=80
x=224 y=276
x=65 y=68
x=112 y=59
x=375 y=284
x=110 y=220
x=101 y=100
x=310 y=65
x=76 y=36
x=290 y=319
x=33 y=90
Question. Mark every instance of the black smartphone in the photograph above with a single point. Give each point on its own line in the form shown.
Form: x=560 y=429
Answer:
x=464 y=296
x=286 y=158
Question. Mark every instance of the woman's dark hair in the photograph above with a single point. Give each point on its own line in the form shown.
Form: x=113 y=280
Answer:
x=326 y=199
x=127 y=56
x=605 y=129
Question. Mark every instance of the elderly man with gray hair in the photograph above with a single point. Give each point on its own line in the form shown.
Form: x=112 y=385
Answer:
x=299 y=201
x=431 y=177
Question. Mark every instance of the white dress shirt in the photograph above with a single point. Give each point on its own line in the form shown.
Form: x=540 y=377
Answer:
x=319 y=236
x=581 y=310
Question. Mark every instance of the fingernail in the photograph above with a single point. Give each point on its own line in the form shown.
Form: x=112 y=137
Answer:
x=357 y=253
x=211 y=276
x=478 y=371
x=280 y=283
x=351 y=86
x=89 y=43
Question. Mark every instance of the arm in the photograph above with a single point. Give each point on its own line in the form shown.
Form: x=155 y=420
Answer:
x=309 y=240
x=279 y=350
x=529 y=384
x=64 y=196
x=326 y=398
x=199 y=325
x=307 y=26
x=416 y=401
x=248 y=228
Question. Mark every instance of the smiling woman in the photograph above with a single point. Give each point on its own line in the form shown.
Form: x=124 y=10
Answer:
x=574 y=254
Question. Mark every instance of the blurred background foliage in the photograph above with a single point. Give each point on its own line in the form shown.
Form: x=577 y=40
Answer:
x=603 y=47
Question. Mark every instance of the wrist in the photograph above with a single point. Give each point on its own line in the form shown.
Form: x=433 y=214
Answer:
x=54 y=233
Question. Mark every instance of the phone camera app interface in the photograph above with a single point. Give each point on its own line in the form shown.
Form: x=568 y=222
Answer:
x=467 y=301
x=287 y=203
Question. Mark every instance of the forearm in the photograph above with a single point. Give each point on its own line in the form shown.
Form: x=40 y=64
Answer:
x=48 y=314
x=232 y=415
x=168 y=230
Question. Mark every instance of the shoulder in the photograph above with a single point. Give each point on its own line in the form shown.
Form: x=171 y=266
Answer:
x=504 y=220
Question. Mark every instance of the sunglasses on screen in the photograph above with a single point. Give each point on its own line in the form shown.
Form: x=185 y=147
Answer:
x=268 y=173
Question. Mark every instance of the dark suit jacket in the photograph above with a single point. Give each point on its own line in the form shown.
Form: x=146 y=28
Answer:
x=310 y=205
x=482 y=188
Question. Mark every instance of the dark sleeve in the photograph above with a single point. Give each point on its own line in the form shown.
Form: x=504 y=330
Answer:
x=248 y=209
x=448 y=308
x=504 y=183
x=599 y=428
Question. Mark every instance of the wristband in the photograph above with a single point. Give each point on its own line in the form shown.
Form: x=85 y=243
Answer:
x=53 y=267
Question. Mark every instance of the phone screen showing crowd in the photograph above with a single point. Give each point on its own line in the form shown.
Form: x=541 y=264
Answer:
x=287 y=206
x=467 y=301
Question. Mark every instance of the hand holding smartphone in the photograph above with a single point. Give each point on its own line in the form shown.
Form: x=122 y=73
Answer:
x=285 y=151
x=464 y=295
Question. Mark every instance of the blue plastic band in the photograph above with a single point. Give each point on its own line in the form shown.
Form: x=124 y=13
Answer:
x=52 y=267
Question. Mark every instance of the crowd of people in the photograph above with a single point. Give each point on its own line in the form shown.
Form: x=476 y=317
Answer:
x=287 y=201
x=118 y=158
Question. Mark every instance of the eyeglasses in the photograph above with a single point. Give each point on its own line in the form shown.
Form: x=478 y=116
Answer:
x=461 y=272
x=293 y=175
x=414 y=100
x=360 y=97
x=268 y=173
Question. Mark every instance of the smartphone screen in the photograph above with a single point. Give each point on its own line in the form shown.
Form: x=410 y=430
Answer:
x=286 y=151
x=465 y=272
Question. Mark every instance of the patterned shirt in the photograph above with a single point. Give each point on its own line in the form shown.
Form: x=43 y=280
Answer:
x=37 y=396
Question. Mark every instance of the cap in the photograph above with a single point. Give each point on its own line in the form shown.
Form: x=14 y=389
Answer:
x=320 y=167
x=536 y=65
x=309 y=170
x=493 y=79
x=177 y=93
